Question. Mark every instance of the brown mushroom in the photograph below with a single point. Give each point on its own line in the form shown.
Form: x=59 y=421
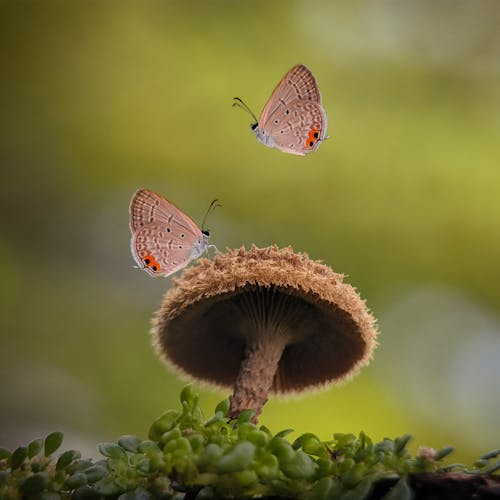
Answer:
x=263 y=320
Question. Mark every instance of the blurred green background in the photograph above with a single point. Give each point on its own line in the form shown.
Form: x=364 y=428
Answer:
x=99 y=98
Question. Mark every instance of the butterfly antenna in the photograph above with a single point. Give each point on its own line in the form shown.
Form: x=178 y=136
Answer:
x=215 y=203
x=240 y=104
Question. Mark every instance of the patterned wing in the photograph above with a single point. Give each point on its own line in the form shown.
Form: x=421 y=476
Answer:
x=161 y=252
x=147 y=207
x=298 y=84
x=298 y=129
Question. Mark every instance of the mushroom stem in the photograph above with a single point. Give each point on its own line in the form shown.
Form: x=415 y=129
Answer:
x=257 y=372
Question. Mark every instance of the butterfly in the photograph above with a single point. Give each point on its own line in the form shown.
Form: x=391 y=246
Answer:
x=293 y=120
x=164 y=239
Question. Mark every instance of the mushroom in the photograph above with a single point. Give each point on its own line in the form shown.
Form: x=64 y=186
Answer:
x=263 y=320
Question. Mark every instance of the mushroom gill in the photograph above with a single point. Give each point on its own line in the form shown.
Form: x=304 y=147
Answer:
x=263 y=320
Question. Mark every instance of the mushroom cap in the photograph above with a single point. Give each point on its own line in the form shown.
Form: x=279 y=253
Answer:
x=205 y=322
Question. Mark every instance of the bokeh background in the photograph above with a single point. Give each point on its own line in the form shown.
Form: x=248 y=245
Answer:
x=99 y=98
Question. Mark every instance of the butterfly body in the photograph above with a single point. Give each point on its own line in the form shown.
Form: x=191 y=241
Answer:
x=293 y=120
x=164 y=239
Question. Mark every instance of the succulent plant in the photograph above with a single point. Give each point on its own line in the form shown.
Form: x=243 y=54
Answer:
x=187 y=456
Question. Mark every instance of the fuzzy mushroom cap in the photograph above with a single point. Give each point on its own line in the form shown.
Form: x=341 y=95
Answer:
x=217 y=306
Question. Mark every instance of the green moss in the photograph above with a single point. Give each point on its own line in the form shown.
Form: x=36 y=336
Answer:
x=190 y=456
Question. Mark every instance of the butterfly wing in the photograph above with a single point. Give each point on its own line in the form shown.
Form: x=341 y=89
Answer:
x=298 y=83
x=164 y=239
x=147 y=206
x=298 y=129
x=161 y=253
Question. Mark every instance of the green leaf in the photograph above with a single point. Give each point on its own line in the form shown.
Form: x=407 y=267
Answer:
x=18 y=457
x=189 y=396
x=130 y=443
x=4 y=453
x=245 y=478
x=301 y=466
x=344 y=440
x=282 y=449
x=112 y=450
x=325 y=467
x=175 y=433
x=66 y=458
x=354 y=475
x=197 y=416
x=246 y=416
x=258 y=438
x=297 y=444
x=147 y=445
x=57 y=479
x=364 y=440
x=144 y=465
x=387 y=445
x=182 y=447
x=243 y=428
x=494 y=468
x=239 y=458
x=165 y=422
x=401 y=491
x=52 y=442
x=265 y=429
x=35 y=447
x=196 y=440
x=76 y=480
x=401 y=442
x=443 y=452
x=157 y=463
x=491 y=454
x=107 y=486
x=34 y=485
x=218 y=417
x=309 y=443
x=284 y=433
x=268 y=467
x=95 y=473
x=324 y=489
x=361 y=491
x=223 y=407
x=346 y=465
x=79 y=466
x=321 y=489
x=209 y=456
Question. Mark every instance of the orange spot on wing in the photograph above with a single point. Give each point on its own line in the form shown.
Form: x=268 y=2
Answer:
x=151 y=263
x=313 y=138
